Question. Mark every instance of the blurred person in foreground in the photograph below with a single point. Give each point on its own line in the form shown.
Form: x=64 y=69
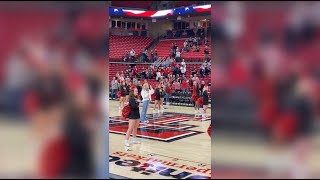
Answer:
x=270 y=59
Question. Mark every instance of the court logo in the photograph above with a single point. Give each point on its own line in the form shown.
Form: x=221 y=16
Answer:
x=152 y=166
x=166 y=128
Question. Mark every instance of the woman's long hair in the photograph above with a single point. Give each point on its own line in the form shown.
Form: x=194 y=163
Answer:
x=145 y=87
x=131 y=94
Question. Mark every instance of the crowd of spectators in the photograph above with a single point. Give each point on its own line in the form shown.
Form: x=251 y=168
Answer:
x=174 y=74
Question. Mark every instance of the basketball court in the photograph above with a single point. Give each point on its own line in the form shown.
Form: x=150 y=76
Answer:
x=174 y=145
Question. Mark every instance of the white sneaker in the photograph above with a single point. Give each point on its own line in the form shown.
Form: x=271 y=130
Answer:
x=126 y=143
x=135 y=142
x=146 y=121
x=158 y=111
x=196 y=112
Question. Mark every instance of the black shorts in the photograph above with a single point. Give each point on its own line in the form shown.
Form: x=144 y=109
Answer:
x=158 y=98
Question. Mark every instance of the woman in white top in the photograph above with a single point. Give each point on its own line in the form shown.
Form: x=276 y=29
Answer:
x=158 y=75
x=146 y=97
x=183 y=67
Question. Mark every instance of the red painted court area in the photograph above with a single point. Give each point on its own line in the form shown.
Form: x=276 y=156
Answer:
x=168 y=127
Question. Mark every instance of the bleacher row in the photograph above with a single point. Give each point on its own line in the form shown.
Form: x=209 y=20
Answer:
x=118 y=45
x=114 y=68
x=164 y=46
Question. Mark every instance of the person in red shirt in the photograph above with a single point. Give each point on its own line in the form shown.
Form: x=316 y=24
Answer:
x=176 y=86
x=184 y=86
x=168 y=93
x=166 y=72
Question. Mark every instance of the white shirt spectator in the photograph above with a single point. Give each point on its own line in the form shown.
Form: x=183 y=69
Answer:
x=158 y=75
x=146 y=95
x=132 y=53
x=178 y=54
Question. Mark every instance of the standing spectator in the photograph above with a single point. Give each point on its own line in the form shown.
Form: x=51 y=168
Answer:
x=184 y=86
x=145 y=55
x=139 y=87
x=168 y=93
x=158 y=75
x=176 y=86
x=132 y=54
x=190 y=81
x=178 y=55
x=155 y=55
x=206 y=42
x=183 y=67
x=166 y=72
x=135 y=81
x=206 y=53
x=202 y=71
x=143 y=73
x=193 y=71
x=114 y=88
x=198 y=41
x=117 y=76
x=185 y=44
x=127 y=56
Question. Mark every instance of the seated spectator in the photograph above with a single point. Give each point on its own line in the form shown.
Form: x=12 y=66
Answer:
x=126 y=58
x=195 y=42
x=132 y=54
x=198 y=41
x=194 y=49
x=198 y=49
x=206 y=42
x=185 y=43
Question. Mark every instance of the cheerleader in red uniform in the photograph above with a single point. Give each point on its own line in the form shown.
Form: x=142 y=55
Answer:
x=195 y=96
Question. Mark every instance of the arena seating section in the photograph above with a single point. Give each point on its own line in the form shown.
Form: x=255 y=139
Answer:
x=120 y=44
x=114 y=68
x=164 y=46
